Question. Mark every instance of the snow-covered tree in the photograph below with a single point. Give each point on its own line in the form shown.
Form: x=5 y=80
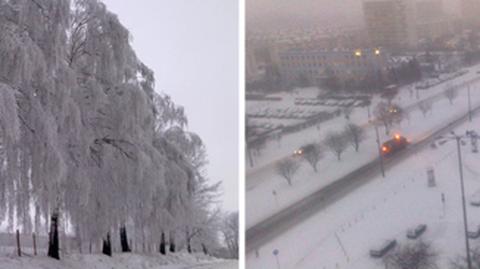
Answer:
x=230 y=232
x=389 y=114
x=418 y=255
x=354 y=134
x=84 y=139
x=312 y=153
x=450 y=93
x=425 y=106
x=287 y=168
x=336 y=142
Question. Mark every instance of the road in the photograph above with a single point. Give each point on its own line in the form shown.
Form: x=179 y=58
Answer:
x=279 y=223
x=252 y=183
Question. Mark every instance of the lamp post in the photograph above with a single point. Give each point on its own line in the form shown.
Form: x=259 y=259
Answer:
x=379 y=148
x=469 y=105
x=465 y=225
x=458 y=139
x=377 y=52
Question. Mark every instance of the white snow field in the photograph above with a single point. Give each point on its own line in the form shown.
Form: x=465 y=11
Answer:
x=119 y=261
x=342 y=235
x=263 y=181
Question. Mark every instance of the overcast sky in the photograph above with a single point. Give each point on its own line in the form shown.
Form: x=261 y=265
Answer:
x=192 y=46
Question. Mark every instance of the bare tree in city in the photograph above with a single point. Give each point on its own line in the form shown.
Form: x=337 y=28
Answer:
x=355 y=135
x=287 y=169
x=312 y=153
x=425 y=106
x=336 y=143
x=418 y=255
x=460 y=262
x=347 y=111
x=451 y=93
x=389 y=114
x=389 y=95
x=230 y=232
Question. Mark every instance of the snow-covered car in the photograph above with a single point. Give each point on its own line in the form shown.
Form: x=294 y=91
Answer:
x=475 y=199
x=474 y=234
x=383 y=249
x=414 y=233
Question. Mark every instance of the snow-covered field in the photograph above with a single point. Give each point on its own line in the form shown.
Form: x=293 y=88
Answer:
x=263 y=182
x=119 y=261
x=385 y=209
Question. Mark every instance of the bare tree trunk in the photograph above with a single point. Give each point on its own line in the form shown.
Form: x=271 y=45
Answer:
x=172 y=242
x=124 y=239
x=78 y=238
x=107 y=246
x=189 y=239
x=53 y=244
x=19 y=250
x=34 y=244
x=204 y=248
x=162 y=244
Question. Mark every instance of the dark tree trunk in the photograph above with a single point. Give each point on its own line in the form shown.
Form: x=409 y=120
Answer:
x=107 y=246
x=204 y=248
x=189 y=239
x=172 y=242
x=124 y=240
x=53 y=244
x=162 y=248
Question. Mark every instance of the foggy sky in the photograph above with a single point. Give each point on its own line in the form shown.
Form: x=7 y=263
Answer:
x=283 y=13
x=192 y=46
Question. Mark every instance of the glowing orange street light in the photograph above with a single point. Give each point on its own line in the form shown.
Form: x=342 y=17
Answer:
x=358 y=53
x=397 y=136
x=377 y=51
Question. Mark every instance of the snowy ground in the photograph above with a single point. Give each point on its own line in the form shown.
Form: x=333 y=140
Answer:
x=262 y=181
x=385 y=209
x=118 y=261
x=275 y=150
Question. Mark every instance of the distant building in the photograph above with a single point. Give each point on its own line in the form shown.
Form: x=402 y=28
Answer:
x=470 y=12
x=431 y=21
x=314 y=65
x=390 y=23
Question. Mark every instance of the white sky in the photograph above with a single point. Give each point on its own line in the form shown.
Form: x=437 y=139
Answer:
x=192 y=46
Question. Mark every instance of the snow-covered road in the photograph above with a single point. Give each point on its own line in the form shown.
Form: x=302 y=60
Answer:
x=261 y=203
x=341 y=236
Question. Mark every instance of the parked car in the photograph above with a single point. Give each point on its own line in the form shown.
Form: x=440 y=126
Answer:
x=414 y=233
x=383 y=249
x=474 y=234
x=475 y=200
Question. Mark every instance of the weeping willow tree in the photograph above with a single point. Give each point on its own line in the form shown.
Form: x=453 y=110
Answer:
x=84 y=139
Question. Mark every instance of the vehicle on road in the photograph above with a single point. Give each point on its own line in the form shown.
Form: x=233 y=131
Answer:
x=298 y=152
x=383 y=249
x=393 y=145
x=414 y=233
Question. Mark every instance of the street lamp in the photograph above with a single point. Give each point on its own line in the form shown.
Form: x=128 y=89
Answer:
x=469 y=105
x=380 y=155
x=358 y=53
x=458 y=138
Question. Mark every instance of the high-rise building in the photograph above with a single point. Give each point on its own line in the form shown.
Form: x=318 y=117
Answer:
x=390 y=23
x=471 y=12
x=430 y=19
